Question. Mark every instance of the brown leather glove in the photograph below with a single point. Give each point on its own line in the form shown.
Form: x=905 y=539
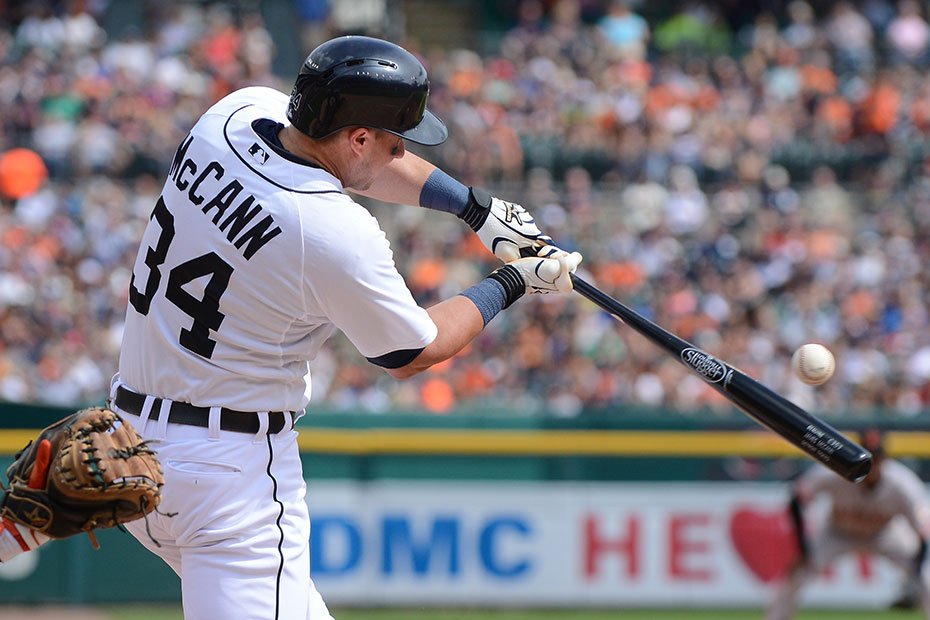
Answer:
x=100 y=474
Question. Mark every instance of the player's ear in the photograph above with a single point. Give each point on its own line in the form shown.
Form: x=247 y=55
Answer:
x=360 y=139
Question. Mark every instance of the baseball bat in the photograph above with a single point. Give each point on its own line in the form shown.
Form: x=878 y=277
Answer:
x=807 y=432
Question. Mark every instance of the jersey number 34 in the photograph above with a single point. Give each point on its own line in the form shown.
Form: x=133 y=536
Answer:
x=205 y=311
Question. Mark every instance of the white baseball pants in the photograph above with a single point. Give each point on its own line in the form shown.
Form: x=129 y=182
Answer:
x=240 y=540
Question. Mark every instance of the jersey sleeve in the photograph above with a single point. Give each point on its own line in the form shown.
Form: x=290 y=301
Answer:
x=358 y=288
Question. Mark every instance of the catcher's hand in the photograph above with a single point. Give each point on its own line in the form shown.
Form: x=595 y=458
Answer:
x=100 y=473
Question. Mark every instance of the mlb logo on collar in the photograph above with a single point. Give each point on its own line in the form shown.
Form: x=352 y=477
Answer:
x=258 y=153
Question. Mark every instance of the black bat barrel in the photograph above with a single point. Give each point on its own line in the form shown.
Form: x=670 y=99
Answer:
x=807 y=432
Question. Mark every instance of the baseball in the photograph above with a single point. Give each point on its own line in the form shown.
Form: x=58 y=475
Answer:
x=813 y=364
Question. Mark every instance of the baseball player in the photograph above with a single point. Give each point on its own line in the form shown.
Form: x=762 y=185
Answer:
x=887 y=514
x=253 y=256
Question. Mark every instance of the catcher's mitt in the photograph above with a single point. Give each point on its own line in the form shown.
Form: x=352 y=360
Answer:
x=100 y=474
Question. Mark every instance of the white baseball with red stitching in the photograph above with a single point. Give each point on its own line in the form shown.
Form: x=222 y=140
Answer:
x=813 y=364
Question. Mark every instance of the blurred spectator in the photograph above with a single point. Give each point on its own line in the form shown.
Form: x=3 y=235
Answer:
x=850 y=34
x=802 y=32
x=360 y=16
x=772 y=184
x=696 y=29
x=626 y=31
x=908 y=35
x=41 y=28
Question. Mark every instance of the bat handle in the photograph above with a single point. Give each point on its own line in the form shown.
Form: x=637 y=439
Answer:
x=590 y=291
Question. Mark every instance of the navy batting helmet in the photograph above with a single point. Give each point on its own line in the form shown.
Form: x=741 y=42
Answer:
x=360 y=81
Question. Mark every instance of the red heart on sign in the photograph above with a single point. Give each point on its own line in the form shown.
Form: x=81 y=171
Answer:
x=765 y=541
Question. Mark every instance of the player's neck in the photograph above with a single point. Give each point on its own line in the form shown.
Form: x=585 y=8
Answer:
x=307 y=148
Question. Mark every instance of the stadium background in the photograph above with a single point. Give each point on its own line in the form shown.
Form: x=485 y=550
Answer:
x=751 y=176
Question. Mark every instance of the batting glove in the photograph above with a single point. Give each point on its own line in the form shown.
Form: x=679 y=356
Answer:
x=548 y=272
x=504 y=227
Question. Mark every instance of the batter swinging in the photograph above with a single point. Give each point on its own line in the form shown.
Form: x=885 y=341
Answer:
x=253 y=256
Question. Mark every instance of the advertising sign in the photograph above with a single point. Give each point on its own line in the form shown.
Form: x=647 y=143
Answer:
x=571 y=544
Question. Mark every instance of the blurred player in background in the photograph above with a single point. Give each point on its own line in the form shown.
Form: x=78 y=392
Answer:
x=887 y=514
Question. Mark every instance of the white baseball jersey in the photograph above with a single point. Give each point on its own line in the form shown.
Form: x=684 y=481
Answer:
x=250 y=260
x=862 y=511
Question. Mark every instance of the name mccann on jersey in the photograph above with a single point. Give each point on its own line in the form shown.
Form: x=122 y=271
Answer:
x=185 y=176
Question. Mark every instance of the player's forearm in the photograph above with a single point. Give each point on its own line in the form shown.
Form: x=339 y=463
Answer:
x=461 y=318
x=796 y=511
x=401 y=181
x=505 y=228
x=414 y=181
x=458 y=321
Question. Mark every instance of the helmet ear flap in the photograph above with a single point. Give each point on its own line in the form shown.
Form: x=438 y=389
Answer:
x=293 y=106
x=313 y=104
x=323 y=110
x=296 y=112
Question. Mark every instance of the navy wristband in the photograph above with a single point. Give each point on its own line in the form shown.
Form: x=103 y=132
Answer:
x=443 y=193
x=489 y=296
x=512 y=281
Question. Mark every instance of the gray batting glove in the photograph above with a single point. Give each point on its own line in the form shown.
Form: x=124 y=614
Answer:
x=504 y=227
x=549 y=272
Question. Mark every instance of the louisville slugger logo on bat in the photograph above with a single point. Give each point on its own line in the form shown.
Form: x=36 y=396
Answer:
x=706 y=365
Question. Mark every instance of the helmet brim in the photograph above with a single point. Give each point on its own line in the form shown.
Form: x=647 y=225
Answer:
x=429 y=132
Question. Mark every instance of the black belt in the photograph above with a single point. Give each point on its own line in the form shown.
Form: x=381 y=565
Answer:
x=186 y=413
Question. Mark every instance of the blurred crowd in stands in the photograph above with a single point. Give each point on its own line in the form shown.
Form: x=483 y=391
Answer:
x=750 y=188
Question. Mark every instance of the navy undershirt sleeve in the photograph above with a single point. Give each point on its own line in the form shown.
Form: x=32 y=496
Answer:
x=443 y=193
x=395 y=359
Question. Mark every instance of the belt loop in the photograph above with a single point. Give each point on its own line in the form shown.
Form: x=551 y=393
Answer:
x=164 y=412
x=144 y=413
x=146 y=409
x=214 y=423
x=262 y=427
x=114 y=384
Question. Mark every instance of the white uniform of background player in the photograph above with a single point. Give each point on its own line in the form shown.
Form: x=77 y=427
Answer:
x=887 y=514
x=253 y=256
